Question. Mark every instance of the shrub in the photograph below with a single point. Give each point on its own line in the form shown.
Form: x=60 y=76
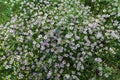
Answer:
x=60 y=40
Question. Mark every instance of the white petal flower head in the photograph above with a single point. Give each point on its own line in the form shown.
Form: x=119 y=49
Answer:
x=93 y=0
x=98 y=60
x=78 y=66
x=67 y=76
x=21 y=76
x=100 y=73
x=106 y=75
x=69 y=35
x=45 y=37
x=18 y=57
x=100 y=68
x=114 y=35
x=99 y=35
x=49 y=74
x=40 y=36
x=118 y=14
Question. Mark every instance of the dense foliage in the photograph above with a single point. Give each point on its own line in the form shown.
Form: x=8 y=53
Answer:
x=60 y=40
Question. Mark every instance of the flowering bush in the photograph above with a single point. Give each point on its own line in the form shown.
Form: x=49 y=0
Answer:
x=60 y=40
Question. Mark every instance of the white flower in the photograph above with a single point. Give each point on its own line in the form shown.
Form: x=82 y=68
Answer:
x=68 y=64
x=56 y=17
x=119 y=14
x=82 y=67
x=25 y=62
x=93 y=0
x=71 y=28
x=37 y=45
x=4 y=57
x=7 y=66
x=67 y=76
x=75 y=77
x=34 y=42
x=50 y=61
x=98 y=60
x=114 y=35
x=69 y=35
x=106 y=75
x=100 y=73
x=49 y=74
x=45 y=37
x=77 y=37
x=100 y=68
x=12 y=60
x=23 y=68
x=104 y=10
x=78 y=66
x=99 y=35
x=18 y=57
x=21 y=76
x=20 y=39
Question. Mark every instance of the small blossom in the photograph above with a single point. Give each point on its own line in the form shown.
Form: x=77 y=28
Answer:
x=21 y=76
x=98 y=60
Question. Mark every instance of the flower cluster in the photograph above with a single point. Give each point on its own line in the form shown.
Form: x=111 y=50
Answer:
x=58 y=40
